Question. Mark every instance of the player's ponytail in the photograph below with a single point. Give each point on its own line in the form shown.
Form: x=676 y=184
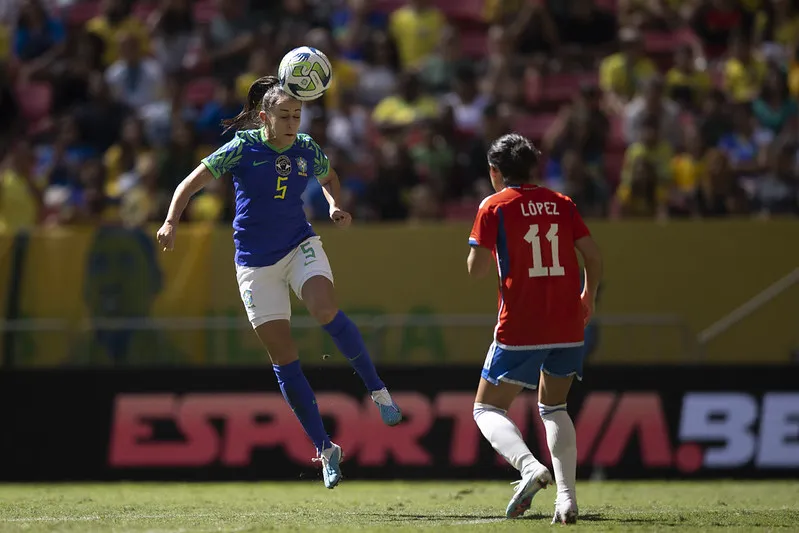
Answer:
x=248 y=117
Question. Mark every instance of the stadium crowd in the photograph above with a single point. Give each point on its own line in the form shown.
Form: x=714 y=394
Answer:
x=642 y=108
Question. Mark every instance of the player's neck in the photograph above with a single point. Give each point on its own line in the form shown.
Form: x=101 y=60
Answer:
x=270 y=140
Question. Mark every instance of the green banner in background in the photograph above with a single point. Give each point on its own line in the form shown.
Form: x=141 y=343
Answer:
x=664 y=285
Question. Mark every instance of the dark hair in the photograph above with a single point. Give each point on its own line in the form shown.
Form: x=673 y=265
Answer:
x=514 y=156
x=264 y=94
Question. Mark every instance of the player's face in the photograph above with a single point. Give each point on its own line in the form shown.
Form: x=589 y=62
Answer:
x=496 y=179
x=284 y=122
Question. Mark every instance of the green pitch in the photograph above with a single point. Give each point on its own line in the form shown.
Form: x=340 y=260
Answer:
x=398 y=506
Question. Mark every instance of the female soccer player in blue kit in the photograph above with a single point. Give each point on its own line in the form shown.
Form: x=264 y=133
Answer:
x=276 y=248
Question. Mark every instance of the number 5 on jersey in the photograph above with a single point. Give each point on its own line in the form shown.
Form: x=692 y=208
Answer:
x=539 y=270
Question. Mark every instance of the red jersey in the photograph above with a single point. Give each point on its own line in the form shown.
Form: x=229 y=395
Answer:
x=531 y=232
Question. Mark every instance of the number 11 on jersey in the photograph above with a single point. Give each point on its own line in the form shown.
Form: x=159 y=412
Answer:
x=539 y=270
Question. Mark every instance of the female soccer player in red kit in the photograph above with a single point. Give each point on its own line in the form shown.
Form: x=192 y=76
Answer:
x=531 y=233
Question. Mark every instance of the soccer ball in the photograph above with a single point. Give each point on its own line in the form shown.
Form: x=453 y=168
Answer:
x=305 y=73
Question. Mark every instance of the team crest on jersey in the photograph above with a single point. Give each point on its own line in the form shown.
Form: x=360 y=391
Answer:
x=283 y=165
x=302 y=166
x=246 y=297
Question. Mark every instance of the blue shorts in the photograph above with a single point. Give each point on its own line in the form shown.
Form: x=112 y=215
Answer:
x=522 y=367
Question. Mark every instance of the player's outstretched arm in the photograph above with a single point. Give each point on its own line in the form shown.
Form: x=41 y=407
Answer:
x=331 y=187
x=479 y=262
x=190 y=186
x=592 y=258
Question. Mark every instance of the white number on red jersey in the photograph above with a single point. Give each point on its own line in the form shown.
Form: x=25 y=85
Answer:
x=539 y=270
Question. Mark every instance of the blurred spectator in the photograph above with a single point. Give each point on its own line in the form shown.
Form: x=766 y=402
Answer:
x=348 y=128
x=433 y=158
x=208 y=206
x=470 y=159
x=582 y=126
x=533 y=31
x=620 y=74
x=586 y=31
x=116 y=18
x=466 y=101
x=646 y=178
x=145 y=202
x=297 y=18
x=774 y=108
x=378 y=78
x=37 y=31
x=714 y=120
x=439 y=69
x=65 y=157
x=353 y=24
x=777 y=28
x=179 y=157
x=70 y=71
x=743 y=71
x=778 y=193
x=134 y=80
x=689 y=169
x=416 y=29
x=100 y=119
x=719 y=194
x=658 y=14
x=793 y=73
x=92 y=206
x=261 y=63
x=20 y=189
x=746 y=148
x=583 y=185
x=501 y=69
x=685 y=83
x=408 y=106
x=10 y=115
x=229 y=39
x=393 y=179
x=224 y=105
x=173 y=28
x=424 y=204
x=715 y=22
x=158 y=116
x=124 y=157
x=652 y=101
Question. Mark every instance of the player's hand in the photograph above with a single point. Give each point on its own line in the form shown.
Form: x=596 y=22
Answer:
x=166 y=237
x=588 y=307
x=340 y=218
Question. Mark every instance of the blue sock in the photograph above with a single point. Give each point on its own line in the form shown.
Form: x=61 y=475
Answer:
x=349 y=342
x=298 y=394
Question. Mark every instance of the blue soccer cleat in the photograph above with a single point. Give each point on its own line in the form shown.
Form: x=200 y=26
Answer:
x=330 y=459
x=389 y=411
x=526 y=488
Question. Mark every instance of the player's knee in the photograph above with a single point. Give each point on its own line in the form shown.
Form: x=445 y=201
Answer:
x=323 y=312
x=483 y=408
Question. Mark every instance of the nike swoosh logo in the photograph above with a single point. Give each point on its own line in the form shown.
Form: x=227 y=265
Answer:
x=259 y=163
x=309 y=262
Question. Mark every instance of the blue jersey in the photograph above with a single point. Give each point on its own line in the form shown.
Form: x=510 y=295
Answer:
x=270 y=221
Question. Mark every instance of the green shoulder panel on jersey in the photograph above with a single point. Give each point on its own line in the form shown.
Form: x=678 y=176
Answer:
x=228 y=156
x=321 y=165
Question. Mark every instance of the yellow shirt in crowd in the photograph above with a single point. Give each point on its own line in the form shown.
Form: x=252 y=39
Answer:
x=614 y=74
x=417 y=33
x=110 y=34
x=395 y=111
x=18 y=207
x=742 y=82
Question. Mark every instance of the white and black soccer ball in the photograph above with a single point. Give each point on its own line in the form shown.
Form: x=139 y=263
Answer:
x=305 y=73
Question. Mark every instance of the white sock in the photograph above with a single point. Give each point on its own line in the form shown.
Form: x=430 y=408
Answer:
x=504 y=436
x=562 y=441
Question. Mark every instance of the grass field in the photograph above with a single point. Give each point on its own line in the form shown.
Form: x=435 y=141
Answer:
x=398 y=506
